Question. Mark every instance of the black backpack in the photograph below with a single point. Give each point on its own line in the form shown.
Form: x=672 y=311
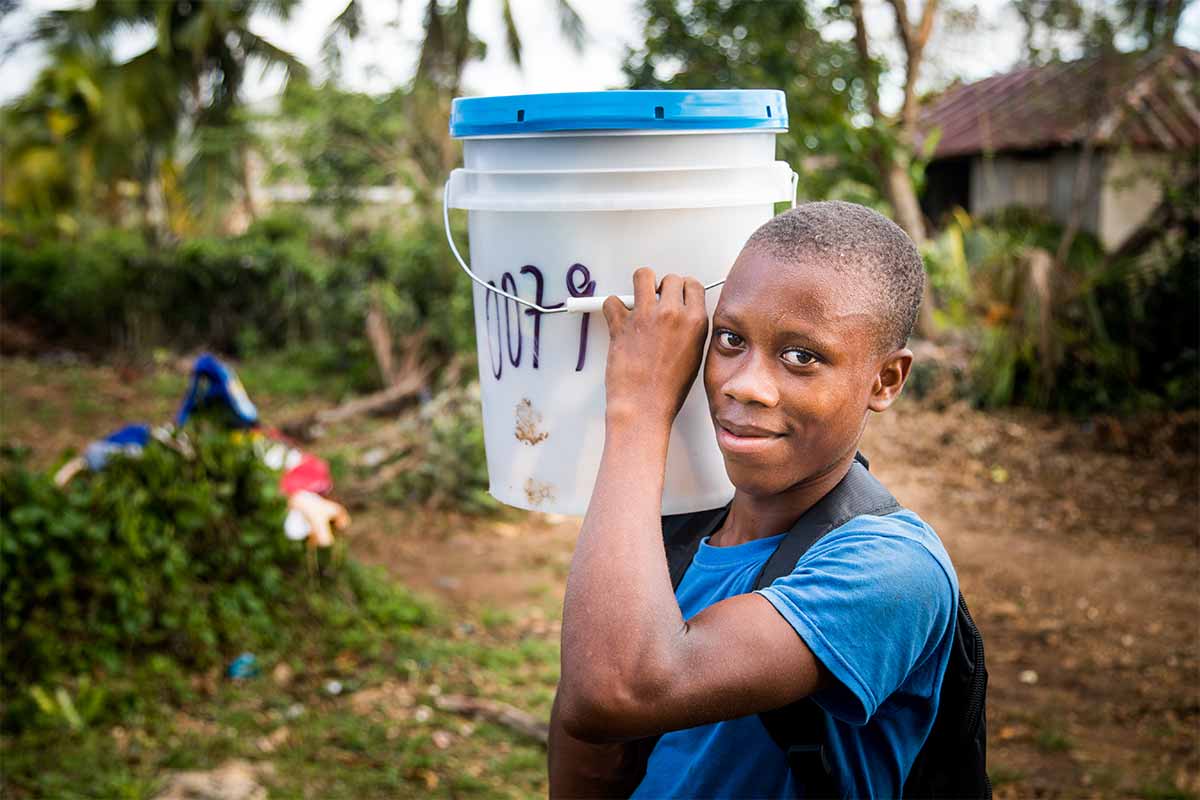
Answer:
x=952 y=762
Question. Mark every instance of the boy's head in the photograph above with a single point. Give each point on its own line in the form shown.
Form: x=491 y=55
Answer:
x=808 y=335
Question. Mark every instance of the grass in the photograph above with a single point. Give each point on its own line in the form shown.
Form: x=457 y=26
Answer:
x=300 y=374
x=1163 y=788
x=1104 y=777
x=329 y=749
x=495 y=618
x=159 y=718
x=1001 y=775
x=1051 y=738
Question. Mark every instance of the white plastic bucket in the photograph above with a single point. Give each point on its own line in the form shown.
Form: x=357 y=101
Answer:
x=559 y=215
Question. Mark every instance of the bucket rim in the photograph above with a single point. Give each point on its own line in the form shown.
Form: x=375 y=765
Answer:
x=620 y=109
x=583 y=133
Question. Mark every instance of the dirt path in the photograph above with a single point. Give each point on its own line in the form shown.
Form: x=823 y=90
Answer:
x=1080 y=567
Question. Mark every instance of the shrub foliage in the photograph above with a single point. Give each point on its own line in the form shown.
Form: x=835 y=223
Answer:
x=164 y=552
x=1094 y=333
x=278 y=286
x=177 y=556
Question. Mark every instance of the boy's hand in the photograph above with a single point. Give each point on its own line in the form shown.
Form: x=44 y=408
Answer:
x=655 y=349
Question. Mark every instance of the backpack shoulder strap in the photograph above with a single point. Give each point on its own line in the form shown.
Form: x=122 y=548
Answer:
x=682 y=534
x=858 y=494
x=799 y=728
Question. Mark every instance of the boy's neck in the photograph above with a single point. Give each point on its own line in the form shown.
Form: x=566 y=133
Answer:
x=753 y=517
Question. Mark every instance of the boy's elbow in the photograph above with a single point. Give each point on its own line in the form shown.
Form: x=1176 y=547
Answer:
x=608 y=709
x=595 y=715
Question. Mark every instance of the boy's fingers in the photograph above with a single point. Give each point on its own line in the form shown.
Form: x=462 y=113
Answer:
x=643 y=288
x=671 y=290
x=614 y=312
x=693 y=293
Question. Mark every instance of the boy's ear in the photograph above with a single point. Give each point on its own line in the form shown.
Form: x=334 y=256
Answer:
x=893 y=372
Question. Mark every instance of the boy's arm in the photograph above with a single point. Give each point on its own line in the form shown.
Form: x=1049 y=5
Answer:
x=631 y=665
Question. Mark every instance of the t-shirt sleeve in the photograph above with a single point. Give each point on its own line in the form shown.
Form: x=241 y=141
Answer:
x=871 y=607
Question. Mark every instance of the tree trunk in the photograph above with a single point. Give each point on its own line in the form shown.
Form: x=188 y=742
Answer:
x=379 y=335
x=897 y=183
x=248 y=205
x=903 y=196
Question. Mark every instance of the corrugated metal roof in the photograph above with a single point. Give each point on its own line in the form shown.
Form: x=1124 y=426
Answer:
x=1147 y=100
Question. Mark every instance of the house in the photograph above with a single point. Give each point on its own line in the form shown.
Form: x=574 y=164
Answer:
x=1094 y=139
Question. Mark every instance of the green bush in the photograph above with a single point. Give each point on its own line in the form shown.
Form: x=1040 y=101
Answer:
x=176 y=558
x=111 y=290
x=414 y=280
x=1094 y=333
x=182 y=555
x=75 y=292
x=281 y=286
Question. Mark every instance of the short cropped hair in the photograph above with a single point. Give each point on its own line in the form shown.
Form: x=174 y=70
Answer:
x=855 y=240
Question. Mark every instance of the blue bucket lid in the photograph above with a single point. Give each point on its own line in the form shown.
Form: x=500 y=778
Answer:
x=627 y=109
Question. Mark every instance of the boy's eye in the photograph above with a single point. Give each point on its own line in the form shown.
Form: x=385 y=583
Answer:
x=799 y=358
x=729 y=339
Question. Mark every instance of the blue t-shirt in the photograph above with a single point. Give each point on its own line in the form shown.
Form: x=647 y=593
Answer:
x=875 y=601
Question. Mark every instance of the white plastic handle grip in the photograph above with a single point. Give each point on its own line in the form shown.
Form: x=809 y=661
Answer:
x=587 y=305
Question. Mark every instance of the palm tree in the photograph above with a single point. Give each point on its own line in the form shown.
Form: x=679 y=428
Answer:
x=200 y=56
x=447 y=46
x=81 y=136
x=448 y=43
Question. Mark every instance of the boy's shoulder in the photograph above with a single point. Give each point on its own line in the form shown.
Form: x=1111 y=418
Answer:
x=900 y=539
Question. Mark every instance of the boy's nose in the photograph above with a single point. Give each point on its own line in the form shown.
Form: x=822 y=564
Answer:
x=751 y=383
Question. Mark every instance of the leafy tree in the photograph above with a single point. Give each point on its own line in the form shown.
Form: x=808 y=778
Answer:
x=344 y=142
x=832 y=89
x=893 y=151
x=1055 y=30
x=711 y=43
x=83 y=137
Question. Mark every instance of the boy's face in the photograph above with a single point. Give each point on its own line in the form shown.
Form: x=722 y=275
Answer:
x=793 y=366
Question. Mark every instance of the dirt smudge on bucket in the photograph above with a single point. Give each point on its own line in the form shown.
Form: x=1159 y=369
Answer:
x=529 y=420
x=537 y=492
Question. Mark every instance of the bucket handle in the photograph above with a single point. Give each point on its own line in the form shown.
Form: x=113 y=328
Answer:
x=576 y=305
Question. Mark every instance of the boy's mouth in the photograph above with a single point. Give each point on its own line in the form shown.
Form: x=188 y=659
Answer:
x=744 y=438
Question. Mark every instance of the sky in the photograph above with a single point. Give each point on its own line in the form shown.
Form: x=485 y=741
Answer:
x=384 y=57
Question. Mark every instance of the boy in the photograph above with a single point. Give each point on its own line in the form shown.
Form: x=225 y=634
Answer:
x=808 y=336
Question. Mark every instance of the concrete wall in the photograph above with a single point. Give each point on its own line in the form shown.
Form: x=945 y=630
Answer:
x=1132 y=190
x=1043 y=181
x=1120 y=188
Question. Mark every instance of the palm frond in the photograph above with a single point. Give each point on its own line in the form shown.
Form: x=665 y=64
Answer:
x=163 y=25
x=571 y=24
x=346 y=26
x=512 y=36
x=433 y=45
x=272 y=55
x=277 y=9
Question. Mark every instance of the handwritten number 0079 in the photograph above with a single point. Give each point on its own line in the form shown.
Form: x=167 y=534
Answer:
x=579 y=284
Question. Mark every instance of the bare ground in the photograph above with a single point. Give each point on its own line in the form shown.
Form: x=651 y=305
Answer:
x=1079 y=564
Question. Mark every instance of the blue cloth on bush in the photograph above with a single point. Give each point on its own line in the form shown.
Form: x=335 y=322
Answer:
x=128 y=440
x=216 y=385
